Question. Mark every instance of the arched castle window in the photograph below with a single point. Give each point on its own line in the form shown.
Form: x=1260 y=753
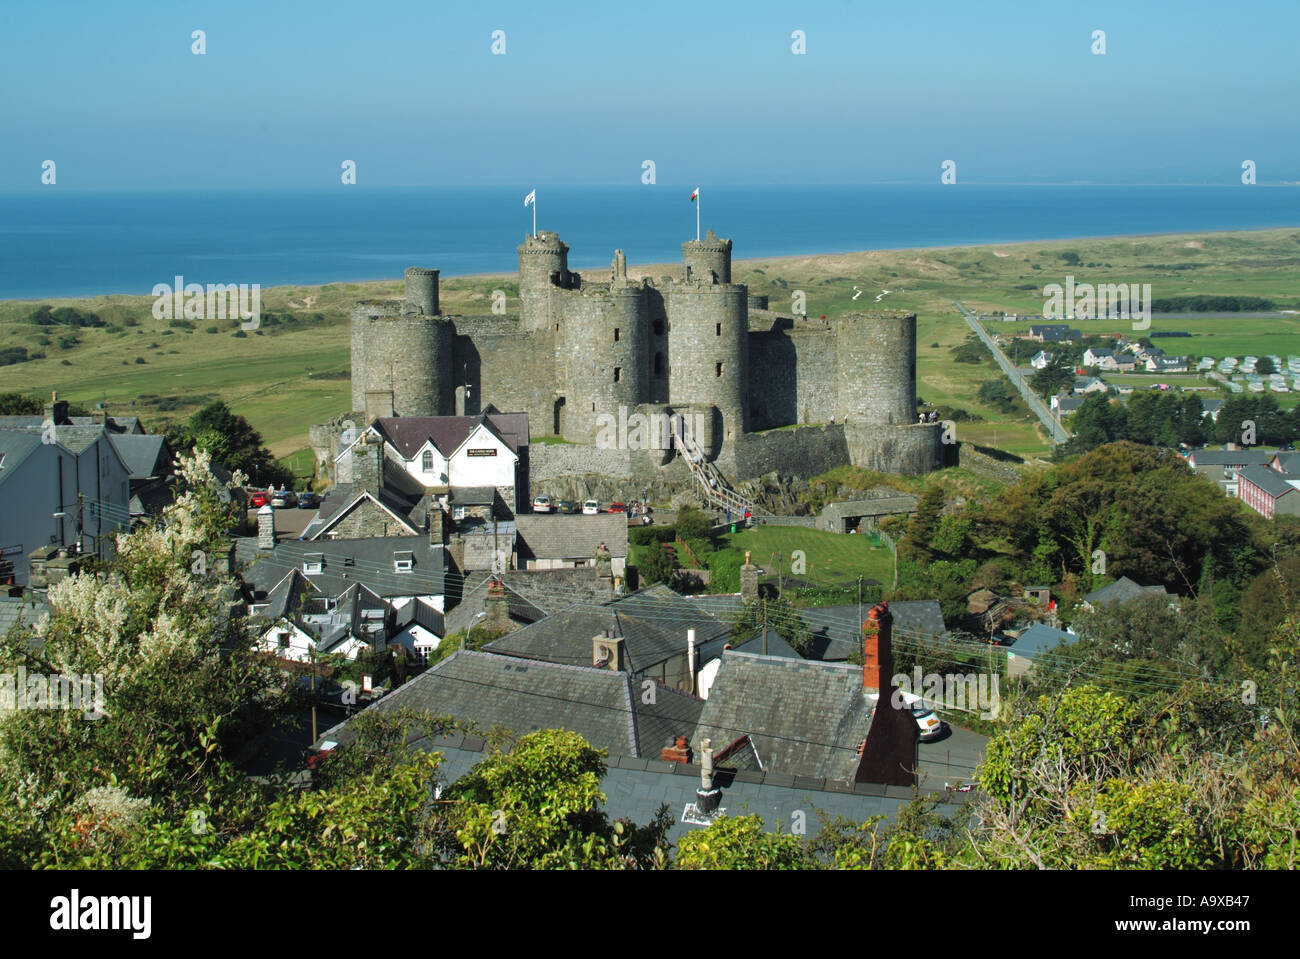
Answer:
x=426 y=461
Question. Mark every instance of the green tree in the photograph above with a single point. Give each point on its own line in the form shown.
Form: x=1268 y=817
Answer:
x=740 y=842
x=656 y=564
x=232 y=442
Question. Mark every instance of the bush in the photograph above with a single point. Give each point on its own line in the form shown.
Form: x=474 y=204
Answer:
x=646 y=535
x=139 y=361
x=212 y=329
x=13 y=354
x=239 y=334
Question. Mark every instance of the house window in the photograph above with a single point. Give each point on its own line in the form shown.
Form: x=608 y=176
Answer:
x=617 y=373
x=403 y=562
x=312 y=563
x=717 y=369
x=426 y=461
x=282 y=640
x=616 y=334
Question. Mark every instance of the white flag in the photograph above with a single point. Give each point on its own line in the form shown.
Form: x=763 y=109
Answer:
x=531 y=198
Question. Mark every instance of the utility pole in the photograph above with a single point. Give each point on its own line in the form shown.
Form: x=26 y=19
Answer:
x=81 y=507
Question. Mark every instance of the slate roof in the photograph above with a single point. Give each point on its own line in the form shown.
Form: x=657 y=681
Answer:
x=15 y=609
x=15 y=446
x=1121 y=591
x=120 y=425
x=1209 y=457
x=1039 y=638
x=651 y=622
x=775 y=645
x=606 y=708
x=572 y=537
x=144 y=455
x=1272 y=482
x=285 y=597
x=409 y=433
x=804 y=718
x=1289 y=461
x=371 y=563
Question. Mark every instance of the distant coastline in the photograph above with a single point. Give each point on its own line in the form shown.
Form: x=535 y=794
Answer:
x=76 y=245
x=658 y=269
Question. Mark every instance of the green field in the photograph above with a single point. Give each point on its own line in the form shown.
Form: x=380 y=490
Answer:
x=833 y=559
x=265 y=375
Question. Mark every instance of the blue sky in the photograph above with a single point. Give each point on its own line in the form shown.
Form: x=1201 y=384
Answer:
x=586 y=91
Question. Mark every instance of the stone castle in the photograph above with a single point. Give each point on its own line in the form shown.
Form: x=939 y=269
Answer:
x=580 y=352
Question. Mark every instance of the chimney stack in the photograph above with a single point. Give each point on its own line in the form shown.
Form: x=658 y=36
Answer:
x=748 y=581
x=368 y=466
x=266 y=527
x=690 y=659
x=708 y=795
x=607 y=651
x=604 y=569
x=497 y=607
x=877 y=650
x=678 y=752
x=56 y=411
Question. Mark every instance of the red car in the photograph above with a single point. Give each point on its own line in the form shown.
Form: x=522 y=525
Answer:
x=257 y=498
x=618 y=507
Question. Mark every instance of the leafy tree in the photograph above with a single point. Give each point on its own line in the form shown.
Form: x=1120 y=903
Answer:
x=776 y=613
x=16 y=404
x=1055 y=376
x=740 y=842
x=231 y=441
x=656 y=564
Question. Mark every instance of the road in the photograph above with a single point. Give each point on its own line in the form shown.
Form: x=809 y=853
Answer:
x=1057 y=432
x=951 y=759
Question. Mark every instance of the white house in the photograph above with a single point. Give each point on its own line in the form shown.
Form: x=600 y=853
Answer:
x=1104 y=359
x=1040 y=360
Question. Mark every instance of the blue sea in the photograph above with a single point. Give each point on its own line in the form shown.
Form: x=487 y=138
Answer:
x=57 y=242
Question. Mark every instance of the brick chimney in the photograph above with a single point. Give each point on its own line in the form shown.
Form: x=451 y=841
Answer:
x=877 y=650
x=678 y=752
x=604 y=569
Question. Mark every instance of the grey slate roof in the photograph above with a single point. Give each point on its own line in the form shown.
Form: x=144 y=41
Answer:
x=1269 y=480
x=606 y=708
x=346 y=561
x=1039 y=638
x=15 y=446
x=652 y=624
x=1288 y=460
x=1121 y=591
x=804 y=718
x=15 y=609
x=1208 y=457
x=144 y=455
x=572 y=537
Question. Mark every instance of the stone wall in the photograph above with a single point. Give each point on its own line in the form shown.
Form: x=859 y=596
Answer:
x=909 y=450
x=792 y=373
x=806 y=451
x=507 y=367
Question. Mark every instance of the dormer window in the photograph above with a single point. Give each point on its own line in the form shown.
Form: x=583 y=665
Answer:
x=426 y=461
x=313 y=563
x=403 y=562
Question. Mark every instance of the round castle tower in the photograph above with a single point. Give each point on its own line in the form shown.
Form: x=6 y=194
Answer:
x=876 y=377
x=404 y=347
x=710 y=254
x=708 y=347
x=540 y=257
x=605 y=335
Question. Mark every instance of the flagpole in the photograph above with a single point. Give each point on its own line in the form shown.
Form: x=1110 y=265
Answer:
x=534 y=213
x=697 y=217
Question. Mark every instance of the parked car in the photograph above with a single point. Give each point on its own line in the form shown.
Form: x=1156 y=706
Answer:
x=543 y=504
x=591 y=507
x=284 y=499
x=309 y=500
x=257 y=498
x=566 y=506
x=618 y=507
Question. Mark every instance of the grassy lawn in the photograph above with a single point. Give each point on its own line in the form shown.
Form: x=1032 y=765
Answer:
x=833 y=559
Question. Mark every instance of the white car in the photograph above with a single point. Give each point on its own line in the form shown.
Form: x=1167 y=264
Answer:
x=543 y=504
x=591 y=507
x=931 y=726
